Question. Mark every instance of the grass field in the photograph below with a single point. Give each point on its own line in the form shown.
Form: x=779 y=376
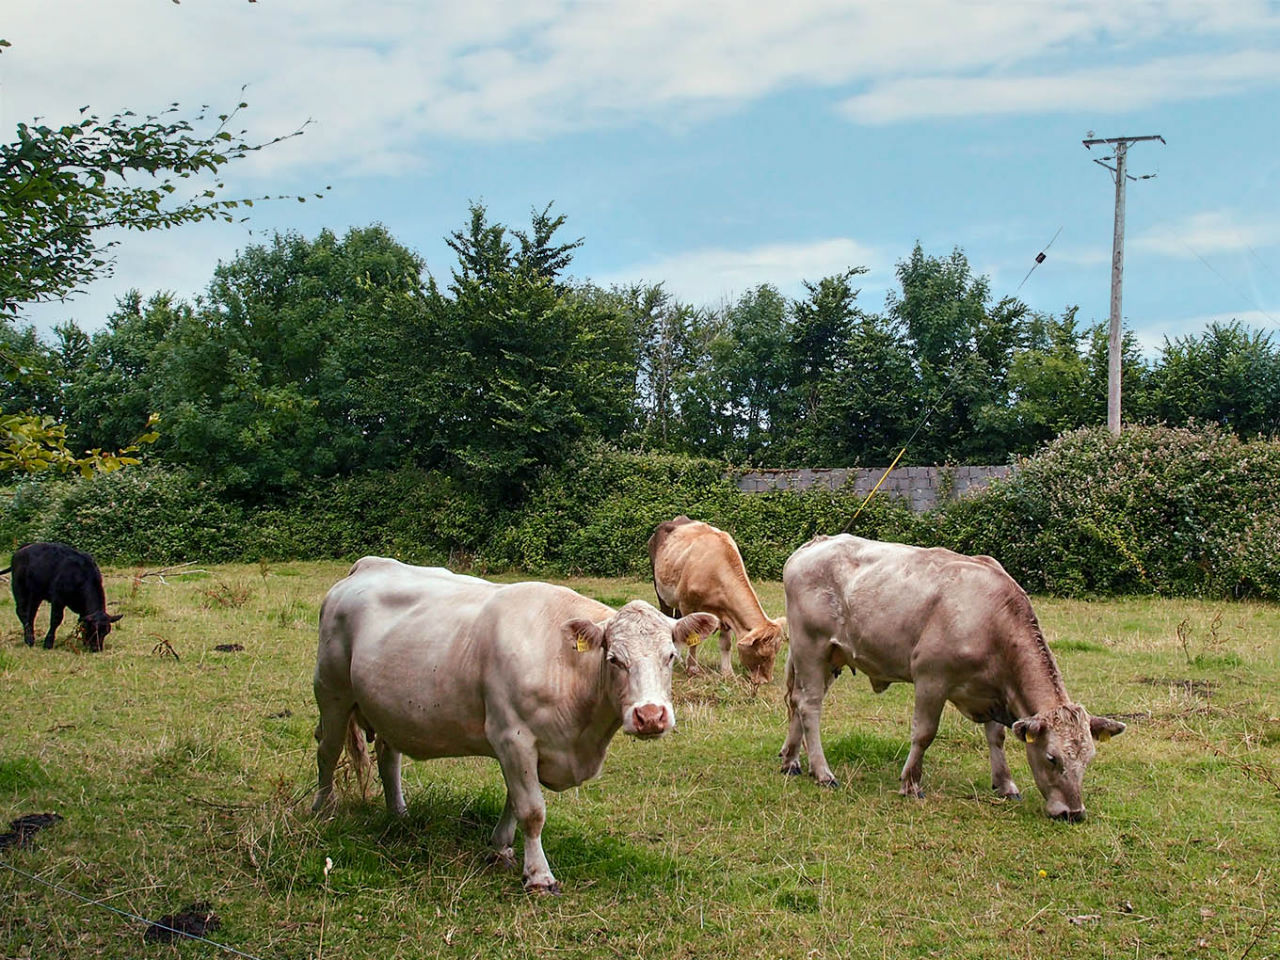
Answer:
x=191 y=779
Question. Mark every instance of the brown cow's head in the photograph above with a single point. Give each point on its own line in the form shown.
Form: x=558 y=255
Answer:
x=759 y=648
x=1060 y=744
x=639 y=649
x=94 y=629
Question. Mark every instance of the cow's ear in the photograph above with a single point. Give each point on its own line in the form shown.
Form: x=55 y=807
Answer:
x=115 y=618
x=1104 y=728
x=701 y=625
x=1029 y=730
x=584 y=634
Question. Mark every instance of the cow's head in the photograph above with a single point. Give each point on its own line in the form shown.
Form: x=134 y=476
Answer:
x=94 y=628
x=639 y=648
x=759 y=648
x=1060 y=744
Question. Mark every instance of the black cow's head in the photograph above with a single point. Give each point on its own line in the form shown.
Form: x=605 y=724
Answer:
x=94 y=628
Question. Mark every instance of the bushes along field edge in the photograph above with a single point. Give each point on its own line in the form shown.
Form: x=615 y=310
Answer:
x=1170 y=511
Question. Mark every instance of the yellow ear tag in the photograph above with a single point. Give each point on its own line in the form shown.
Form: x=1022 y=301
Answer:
x=1104 y=736
x=693 y=640
x=583 y=644
x=1031 y=738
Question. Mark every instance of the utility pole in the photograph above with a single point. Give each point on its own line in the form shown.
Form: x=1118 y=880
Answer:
x=1117 y=268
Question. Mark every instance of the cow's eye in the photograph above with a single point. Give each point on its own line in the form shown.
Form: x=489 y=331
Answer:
x=1051 y=758
x=671 y=658
x=613 y=660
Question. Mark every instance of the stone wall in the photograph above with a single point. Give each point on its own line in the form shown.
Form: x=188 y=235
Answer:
x=922 y=487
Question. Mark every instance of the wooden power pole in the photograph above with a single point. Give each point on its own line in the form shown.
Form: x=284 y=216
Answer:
x=1117 y=268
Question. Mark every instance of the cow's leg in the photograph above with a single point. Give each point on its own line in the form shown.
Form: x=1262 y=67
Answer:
x=811 y=677
x=930 y=699
x=519 y=759
x=726 y=644
x=504 y=836
x=55 y=620
x=335 y=713
x=389 y=774
x=1001 y=780
x=27 y=615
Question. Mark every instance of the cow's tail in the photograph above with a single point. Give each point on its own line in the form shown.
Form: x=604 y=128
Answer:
x=358 y=752
x=5 y=570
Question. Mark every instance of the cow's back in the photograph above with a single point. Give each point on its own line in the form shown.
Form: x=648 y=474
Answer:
x=427 y=653
x=894 y=604
x=698 y=567
x=59 y=573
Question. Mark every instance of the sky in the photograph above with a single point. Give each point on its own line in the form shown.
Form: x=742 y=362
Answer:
x=715 y=146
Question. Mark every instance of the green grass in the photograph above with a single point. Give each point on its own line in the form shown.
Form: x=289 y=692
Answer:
x=192 y=779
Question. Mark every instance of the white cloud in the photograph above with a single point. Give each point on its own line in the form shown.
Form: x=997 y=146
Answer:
x=1207 y=233
x=712 y=276
x=383 y=81
x=1097 y=90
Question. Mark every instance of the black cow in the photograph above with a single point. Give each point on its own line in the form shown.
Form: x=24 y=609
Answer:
x=65 y=577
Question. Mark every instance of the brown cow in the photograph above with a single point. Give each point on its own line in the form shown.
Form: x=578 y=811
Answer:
x=697 y=567
x=960 y=629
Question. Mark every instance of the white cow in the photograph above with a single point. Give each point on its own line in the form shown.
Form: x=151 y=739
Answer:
x=434 y=664
x=960 y=629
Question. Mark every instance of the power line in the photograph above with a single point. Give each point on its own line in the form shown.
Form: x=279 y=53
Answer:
x=952 y=380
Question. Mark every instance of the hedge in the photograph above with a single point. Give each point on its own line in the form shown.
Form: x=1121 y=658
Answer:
x=1159 y=510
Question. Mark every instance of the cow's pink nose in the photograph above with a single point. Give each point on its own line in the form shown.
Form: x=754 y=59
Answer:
x=651 y=719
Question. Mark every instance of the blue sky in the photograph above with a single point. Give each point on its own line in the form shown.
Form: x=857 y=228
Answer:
x=714 y=146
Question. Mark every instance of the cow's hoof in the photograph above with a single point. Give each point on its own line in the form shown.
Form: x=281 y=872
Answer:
x=791 y=769
x=399 y=812
x=551 y=889
x=1010 y=796
x=29 y=643
x=831 y=783
x=916 y=793
x=506 y=859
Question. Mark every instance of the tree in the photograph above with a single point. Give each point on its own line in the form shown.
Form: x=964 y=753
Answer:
x=1229 y=375
x=1049 y=385
x=530 y=364
x=61 y=187
x=282 y=374
x=816 y=356
x=962 y=348
x=663 y=330
x=755 y=367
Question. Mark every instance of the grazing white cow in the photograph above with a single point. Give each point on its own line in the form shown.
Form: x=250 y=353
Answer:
x=434 y=664
x=960 y=629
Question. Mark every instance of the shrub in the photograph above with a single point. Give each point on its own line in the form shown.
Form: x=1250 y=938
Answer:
x=414 y=515
x=1161 y=510
x=140 y=513
x=1174 y=511
x=595 y=513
